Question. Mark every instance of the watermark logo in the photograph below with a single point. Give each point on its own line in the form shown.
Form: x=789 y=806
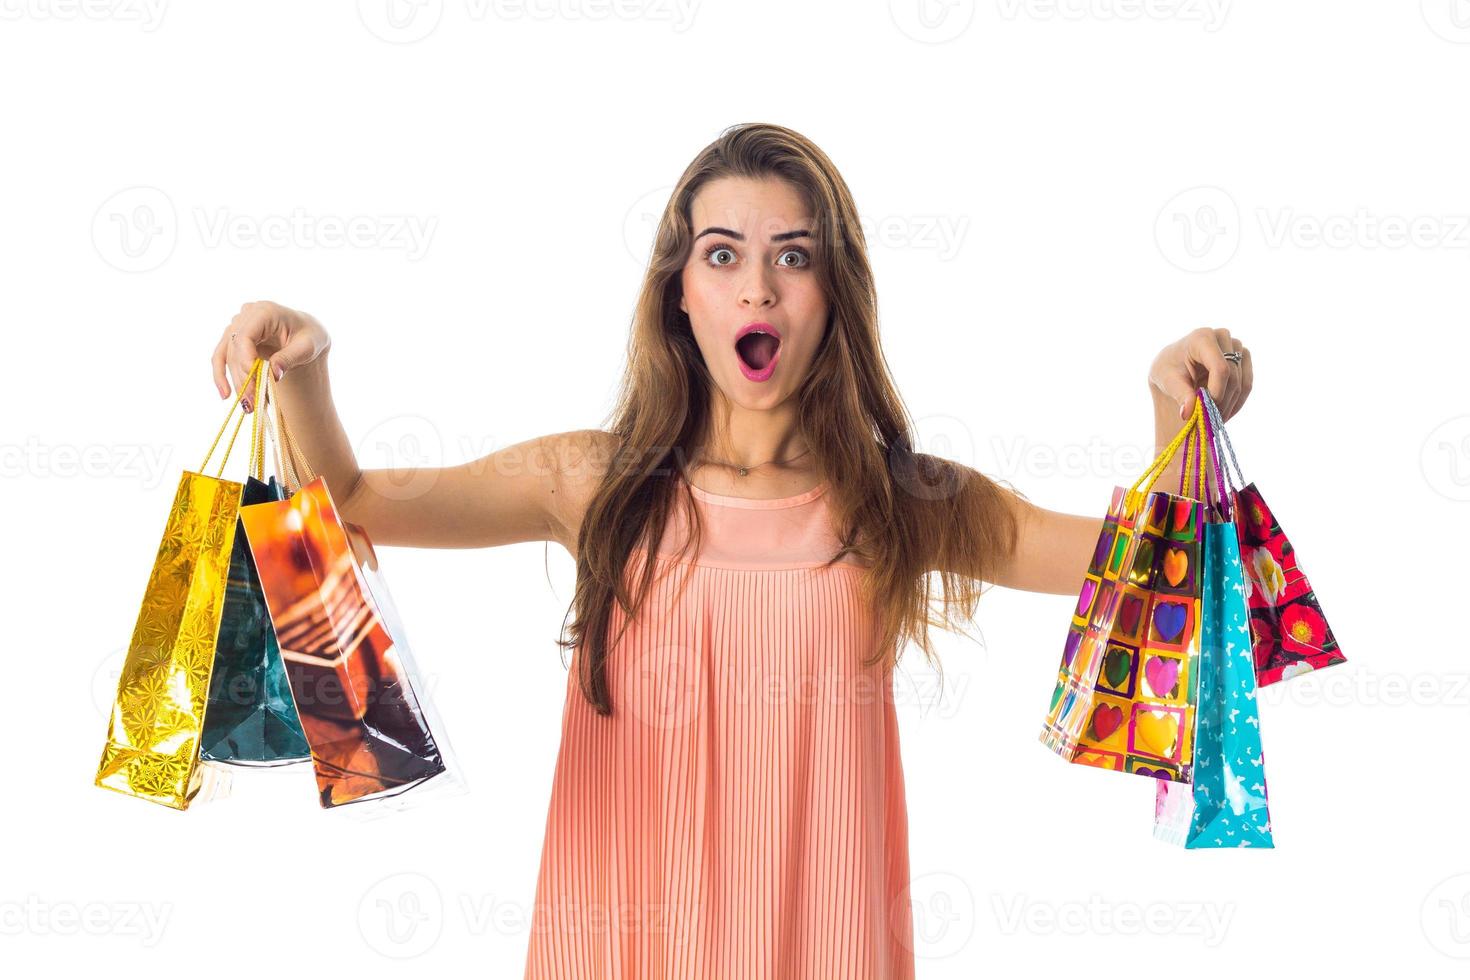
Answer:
x=942 y=910
x=1018 y=456
x=1340 y=687
x=1362 y=229
x=404 y=915
x=928 y=694
x=34 y=916
x=679 y=14
x=1198 y=230
x=640 y=222
x=400 y=21
x=665 y=687
x=148 y=464
x=105 y=680
x=946 y=437
x=401 y=916
x=410 y=451
x=1208 y=921
x=943 y=234
x=246 y=688
x=1210 y=14
x=1445 y=458
x=407 y=233
x=1450 y=19
x=1445 y=916
x=407 y=21
x=932 y=21
x=147 y=14
x=136 y=229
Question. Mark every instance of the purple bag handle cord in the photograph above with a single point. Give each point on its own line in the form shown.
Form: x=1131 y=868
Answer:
x=1211 y=438
x=1223 y=438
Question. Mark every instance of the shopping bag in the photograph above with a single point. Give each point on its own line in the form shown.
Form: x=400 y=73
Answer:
x=368 y=733
x=249 y=719
x=152 y=748
x=1224 y=804
x=1121 y=699
x=1289 y=631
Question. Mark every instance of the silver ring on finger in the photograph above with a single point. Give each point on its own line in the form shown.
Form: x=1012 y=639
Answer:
x=1234 y=356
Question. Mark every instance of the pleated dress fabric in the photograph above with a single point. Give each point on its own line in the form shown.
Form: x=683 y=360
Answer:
x=741 y=814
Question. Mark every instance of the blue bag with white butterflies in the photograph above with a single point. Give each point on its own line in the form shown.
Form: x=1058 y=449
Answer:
x=1224 y=803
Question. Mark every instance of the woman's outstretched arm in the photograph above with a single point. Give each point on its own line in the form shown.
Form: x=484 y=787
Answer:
x=530 y=491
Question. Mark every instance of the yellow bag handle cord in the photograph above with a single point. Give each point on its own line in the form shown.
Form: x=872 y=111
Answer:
x=1193 y=475
x=1161 y=461
x=255 y=426
x=296 y=466
x=288 y=478
x=1194 y=465
x=302 y=469
x=290 y=461
x=265 y=391
x=268 y=433
x=254 y=370
x=267 y=411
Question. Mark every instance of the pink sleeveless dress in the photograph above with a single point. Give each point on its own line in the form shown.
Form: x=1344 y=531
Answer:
x=740 y=815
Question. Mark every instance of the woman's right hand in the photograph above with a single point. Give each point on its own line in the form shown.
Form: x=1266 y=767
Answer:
x=286 y=338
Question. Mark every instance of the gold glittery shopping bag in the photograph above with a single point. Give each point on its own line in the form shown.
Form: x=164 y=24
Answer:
x=153 y=733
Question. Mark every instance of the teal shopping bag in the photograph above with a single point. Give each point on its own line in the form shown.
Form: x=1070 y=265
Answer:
x=1224 y=802
x=249 y=717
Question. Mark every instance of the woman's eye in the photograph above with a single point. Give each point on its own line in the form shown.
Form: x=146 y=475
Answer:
x=792 y=258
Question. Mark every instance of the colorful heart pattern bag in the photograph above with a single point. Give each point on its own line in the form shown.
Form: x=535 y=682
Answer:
x=1122 y=699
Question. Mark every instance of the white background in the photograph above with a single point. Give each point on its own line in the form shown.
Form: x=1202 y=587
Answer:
x=1052 y=192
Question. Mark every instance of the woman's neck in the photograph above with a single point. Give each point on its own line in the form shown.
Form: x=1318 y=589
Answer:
x=767 y=445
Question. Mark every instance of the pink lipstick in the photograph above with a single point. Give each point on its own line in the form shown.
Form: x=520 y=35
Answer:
x=758 y=349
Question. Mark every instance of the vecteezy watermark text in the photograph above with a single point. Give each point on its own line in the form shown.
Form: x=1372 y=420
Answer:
x=138 y=228
x=36 y=916
x=1210 y=14
x=133 y=461
x=147 y=14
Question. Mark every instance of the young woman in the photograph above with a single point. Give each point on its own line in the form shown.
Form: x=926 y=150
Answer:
x=754 y=536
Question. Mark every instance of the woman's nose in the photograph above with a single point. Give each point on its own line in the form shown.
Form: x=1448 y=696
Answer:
x=757 y=290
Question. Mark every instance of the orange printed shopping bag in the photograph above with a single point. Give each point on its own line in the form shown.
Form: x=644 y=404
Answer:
x=351 y=677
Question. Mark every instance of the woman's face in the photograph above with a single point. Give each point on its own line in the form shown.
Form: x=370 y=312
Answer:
x=752 y=271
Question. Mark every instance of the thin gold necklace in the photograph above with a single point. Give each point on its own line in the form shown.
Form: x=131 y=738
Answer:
x=743 y=470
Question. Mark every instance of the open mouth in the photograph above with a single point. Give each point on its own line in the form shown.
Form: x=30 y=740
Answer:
x=758 y=348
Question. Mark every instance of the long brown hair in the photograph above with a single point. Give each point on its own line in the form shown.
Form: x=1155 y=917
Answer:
x=900 y=513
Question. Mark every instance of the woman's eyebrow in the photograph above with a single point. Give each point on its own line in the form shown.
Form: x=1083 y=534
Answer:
x=783 y=237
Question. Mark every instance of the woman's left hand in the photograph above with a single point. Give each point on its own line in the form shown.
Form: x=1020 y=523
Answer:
x=1197 y=360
